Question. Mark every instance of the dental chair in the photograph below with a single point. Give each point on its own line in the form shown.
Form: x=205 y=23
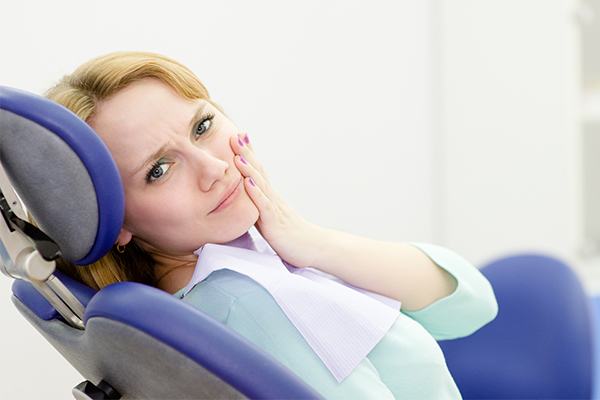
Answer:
x=541 y=345
x=128 y=340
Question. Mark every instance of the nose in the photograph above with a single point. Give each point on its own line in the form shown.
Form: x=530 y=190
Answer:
x=207 y=168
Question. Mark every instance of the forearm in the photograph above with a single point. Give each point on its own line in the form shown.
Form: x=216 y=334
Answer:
x=397 y=270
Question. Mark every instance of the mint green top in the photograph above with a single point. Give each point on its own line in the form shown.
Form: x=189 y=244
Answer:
x=406 y=364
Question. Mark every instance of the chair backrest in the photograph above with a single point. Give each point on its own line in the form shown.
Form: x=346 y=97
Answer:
x=541 y=343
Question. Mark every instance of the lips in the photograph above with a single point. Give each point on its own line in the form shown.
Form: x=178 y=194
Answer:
x=228 y=193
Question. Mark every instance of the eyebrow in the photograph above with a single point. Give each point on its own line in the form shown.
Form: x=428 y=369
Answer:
x=152 y=157
x=165 y=146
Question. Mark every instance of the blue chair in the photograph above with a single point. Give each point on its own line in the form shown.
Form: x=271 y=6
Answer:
x=128 y=340
x=540 y=346
x=596 y=312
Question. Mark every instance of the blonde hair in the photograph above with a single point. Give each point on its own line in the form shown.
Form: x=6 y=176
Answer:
x=80 y=92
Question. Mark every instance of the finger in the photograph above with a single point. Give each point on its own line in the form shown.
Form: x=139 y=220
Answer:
x=242 y=141
x=240 y=147
x=258 y=197
x=248 y=170
x=246 y=140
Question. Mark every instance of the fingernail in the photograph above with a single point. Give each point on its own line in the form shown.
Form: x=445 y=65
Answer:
x=240 y=142
x=246 y=139
x=252 y=182
x=242 y=159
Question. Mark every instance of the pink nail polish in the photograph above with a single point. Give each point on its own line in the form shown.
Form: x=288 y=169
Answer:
x=246 y=139
x=243 y=160
x=252 y=182
x=240 y=142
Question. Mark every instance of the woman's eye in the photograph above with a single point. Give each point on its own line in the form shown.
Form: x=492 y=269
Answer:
x=157 y=171
x=204 y=125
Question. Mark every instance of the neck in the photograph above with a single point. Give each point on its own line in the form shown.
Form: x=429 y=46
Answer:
x=173 y=272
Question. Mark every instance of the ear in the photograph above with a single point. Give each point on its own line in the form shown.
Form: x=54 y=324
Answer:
x=124 y=237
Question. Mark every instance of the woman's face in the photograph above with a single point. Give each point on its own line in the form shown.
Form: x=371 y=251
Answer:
x=176 y=163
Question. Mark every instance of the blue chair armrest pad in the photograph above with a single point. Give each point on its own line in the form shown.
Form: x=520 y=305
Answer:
x=203 y=339
x=28 y=295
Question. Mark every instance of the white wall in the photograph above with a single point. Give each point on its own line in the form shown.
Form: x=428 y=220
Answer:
x=336 y=96
x=589 y=15
x=509 y=127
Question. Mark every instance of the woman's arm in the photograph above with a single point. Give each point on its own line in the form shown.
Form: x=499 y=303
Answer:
x=397 y=270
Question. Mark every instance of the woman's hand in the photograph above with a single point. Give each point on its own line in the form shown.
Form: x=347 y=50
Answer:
x=293 y=238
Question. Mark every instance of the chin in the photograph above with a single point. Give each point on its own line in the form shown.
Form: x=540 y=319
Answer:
x=241 y=223
x=249 y=220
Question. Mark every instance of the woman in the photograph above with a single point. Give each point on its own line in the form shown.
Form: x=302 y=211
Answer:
x=179 y=157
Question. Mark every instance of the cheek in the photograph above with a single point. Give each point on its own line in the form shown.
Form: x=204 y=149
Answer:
x=226 y=151
x=143 y=214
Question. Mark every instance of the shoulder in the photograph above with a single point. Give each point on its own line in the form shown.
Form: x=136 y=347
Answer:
x=238 y=301
x=233 y=283
x=229 y=283
x=217 y=295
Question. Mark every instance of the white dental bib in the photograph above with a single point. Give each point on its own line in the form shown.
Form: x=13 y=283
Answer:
x=340 y=322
